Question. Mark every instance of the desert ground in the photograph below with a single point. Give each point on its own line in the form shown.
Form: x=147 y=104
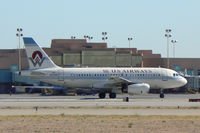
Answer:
x=99 y=124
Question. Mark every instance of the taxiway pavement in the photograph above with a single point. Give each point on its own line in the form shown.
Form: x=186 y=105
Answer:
x=151 y=104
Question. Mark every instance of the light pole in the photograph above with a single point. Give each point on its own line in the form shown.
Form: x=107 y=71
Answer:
x=104 y=38
x=168 y=36
x=173 y=42
x=19 y=35
x=129 y=41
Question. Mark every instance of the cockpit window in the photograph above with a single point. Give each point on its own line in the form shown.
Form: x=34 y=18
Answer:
x=175 y=74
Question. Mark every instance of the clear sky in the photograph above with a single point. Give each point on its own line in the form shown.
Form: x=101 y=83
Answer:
x=144 y=20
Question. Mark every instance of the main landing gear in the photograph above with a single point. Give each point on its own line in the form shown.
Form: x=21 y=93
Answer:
x=103 y=95
x=112 y=95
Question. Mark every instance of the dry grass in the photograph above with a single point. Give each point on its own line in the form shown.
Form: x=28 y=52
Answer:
x=99 y=124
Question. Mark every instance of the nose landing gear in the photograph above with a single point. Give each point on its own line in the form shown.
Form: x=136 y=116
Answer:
x=162 y=95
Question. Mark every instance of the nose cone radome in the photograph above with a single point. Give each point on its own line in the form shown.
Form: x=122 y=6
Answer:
x=183 y=81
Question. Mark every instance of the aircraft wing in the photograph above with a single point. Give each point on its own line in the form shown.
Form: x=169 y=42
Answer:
x=117 y=81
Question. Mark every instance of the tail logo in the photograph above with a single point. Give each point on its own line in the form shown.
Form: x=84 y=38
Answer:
x=37 y=58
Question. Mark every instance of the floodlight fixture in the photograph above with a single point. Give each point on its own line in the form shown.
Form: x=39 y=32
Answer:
x=73 y=37
x=104 y=34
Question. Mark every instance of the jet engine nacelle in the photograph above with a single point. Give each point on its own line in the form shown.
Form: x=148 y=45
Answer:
x=138 y=89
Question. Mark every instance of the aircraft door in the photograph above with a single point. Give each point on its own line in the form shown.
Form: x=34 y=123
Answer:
x=61 y=75
x=164 y=76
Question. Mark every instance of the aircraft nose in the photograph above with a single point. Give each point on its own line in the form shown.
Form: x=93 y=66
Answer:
x=183 y=81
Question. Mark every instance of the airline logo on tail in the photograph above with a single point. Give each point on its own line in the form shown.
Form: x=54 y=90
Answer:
x=37 y=58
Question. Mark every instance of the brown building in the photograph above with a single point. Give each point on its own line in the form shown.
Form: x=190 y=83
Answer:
x=9 y=57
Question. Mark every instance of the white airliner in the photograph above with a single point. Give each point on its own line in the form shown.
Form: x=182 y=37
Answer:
x=106 y=79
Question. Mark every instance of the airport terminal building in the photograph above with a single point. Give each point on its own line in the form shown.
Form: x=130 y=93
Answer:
x=80 y=53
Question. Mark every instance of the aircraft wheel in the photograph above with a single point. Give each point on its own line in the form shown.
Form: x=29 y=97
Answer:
x=162 y=95
x=112 y=95
x=102 y=95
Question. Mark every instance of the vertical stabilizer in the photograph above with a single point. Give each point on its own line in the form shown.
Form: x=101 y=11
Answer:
x=37 y=58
